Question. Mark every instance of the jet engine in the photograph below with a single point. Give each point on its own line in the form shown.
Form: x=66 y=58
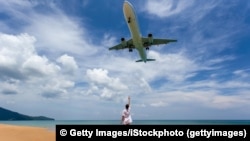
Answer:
x=124 y=43
x=150 y=39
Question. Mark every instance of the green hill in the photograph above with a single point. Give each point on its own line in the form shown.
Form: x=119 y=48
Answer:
x=10 y=115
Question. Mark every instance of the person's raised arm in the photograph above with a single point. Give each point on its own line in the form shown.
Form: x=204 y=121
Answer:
x=128 y=100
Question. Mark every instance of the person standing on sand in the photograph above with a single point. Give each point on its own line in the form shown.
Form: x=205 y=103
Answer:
x=126 y=116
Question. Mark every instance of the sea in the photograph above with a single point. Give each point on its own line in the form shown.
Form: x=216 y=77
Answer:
x=51 y=124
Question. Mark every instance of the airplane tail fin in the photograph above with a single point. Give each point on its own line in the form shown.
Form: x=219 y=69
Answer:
x=145 y=61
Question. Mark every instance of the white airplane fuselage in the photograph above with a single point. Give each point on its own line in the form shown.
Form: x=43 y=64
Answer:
x=131 y=19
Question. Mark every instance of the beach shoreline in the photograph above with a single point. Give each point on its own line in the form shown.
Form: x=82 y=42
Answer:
x=25 y=133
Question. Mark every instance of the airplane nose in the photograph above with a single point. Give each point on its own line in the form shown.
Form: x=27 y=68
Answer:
x=125 y=6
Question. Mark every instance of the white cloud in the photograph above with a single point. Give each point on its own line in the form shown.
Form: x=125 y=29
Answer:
x=242 y=73
x=100 y=77
x=69 y=64
x=219 y=60
x=226 y=102
x=201 y=10
x=37 y=65
x=19 y=61
x=58 y=33
x=199 y=98
x=14 y=51
x=165 y=8
x=174 y=67
x=106 y=93
x=108 y=40
x=13 y=6
x=158 y=104
x=216 y=84
x=8 y=88
x=18 y=55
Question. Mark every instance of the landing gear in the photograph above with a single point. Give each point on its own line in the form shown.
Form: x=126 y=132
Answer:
x=146 y=45
x=129 y=19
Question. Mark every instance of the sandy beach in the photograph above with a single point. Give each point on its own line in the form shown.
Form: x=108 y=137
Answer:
x=25 y=133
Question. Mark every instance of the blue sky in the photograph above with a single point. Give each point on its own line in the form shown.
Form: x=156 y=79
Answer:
x=54 y=59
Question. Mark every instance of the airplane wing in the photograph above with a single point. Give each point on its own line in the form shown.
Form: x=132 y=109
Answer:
x=157 y=41
x=123 y=45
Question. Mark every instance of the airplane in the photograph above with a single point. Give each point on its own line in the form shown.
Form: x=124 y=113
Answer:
x=137 y=42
